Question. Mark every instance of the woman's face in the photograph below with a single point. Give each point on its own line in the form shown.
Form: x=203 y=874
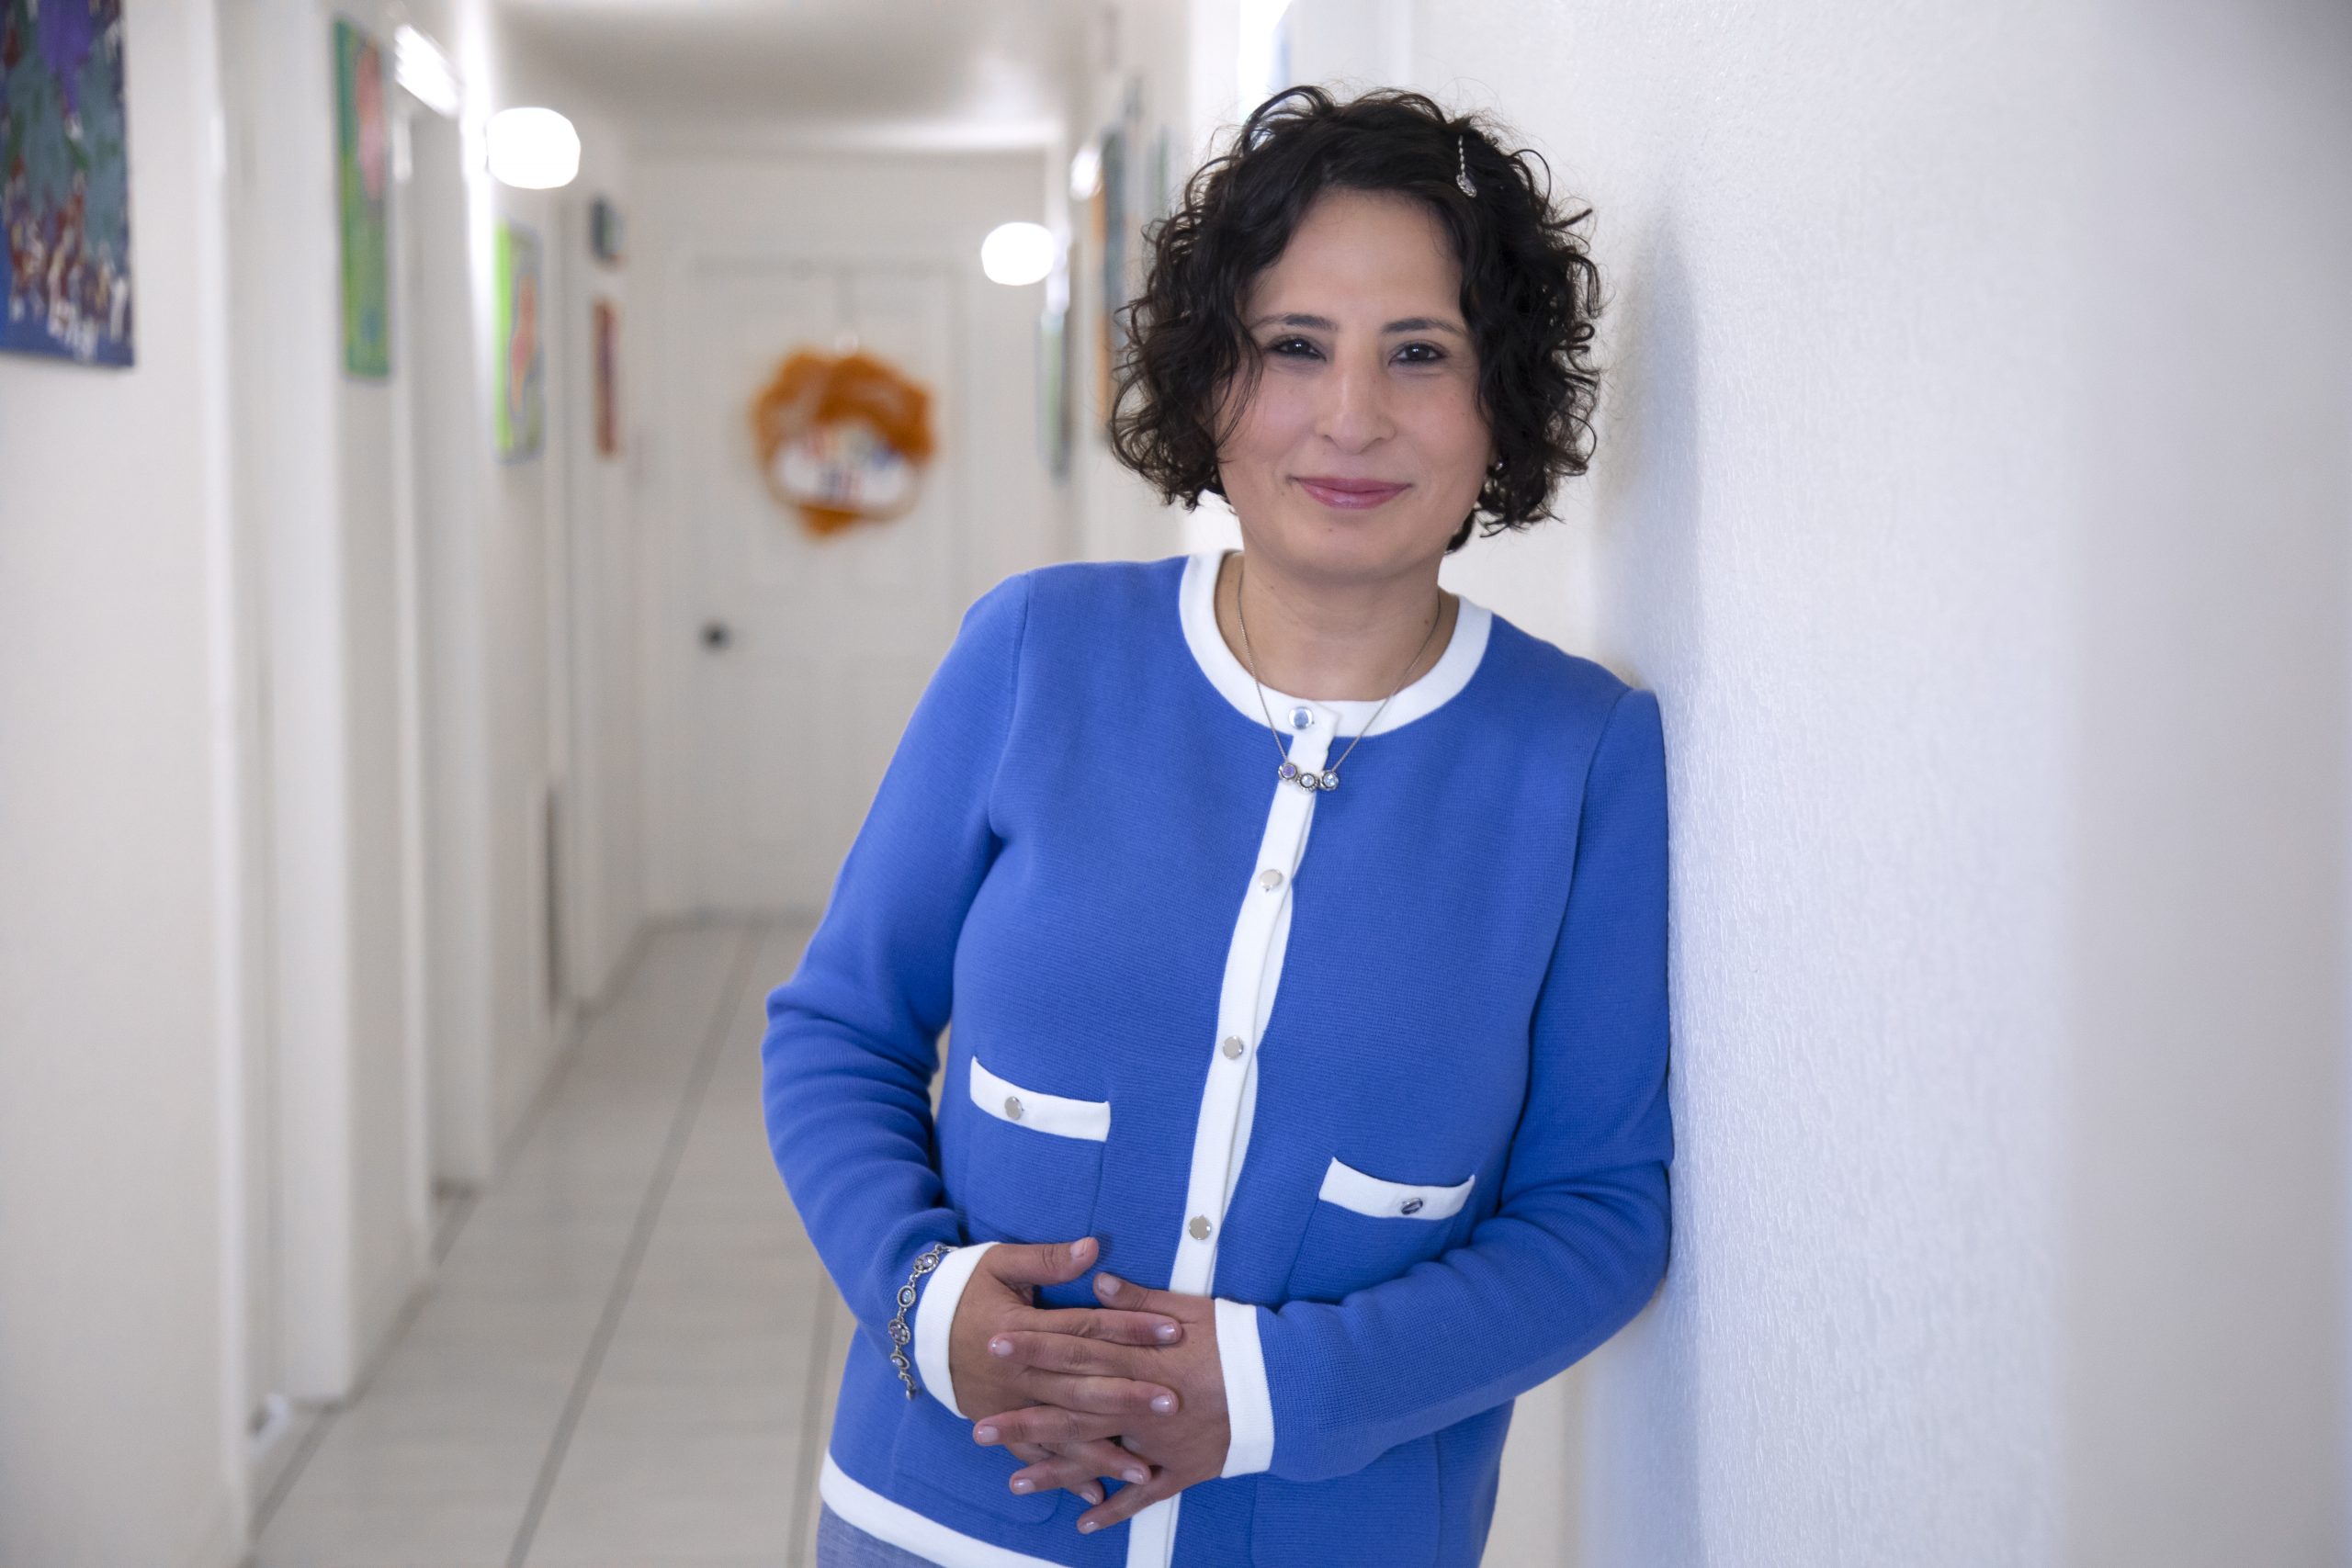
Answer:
x=1361 y=448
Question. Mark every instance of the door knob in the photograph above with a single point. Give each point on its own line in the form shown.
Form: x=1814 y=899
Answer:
x=715 y=635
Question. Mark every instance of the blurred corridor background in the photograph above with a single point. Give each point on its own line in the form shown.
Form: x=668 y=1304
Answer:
x=441 y=664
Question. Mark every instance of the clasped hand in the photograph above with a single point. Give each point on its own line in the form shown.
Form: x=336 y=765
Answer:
x=1132 y=1389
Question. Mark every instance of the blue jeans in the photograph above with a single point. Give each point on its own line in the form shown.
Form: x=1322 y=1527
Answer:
x=840 y=1544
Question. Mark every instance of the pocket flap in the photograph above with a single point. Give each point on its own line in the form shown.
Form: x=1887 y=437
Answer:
x=1008 y=1101
x=1351 y=1189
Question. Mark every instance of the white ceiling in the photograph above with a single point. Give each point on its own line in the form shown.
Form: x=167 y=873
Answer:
x=912 y=73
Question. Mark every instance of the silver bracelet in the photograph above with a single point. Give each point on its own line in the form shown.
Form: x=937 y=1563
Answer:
x=899 y=1332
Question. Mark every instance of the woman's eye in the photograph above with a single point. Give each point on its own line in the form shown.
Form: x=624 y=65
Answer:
x=1411 y=354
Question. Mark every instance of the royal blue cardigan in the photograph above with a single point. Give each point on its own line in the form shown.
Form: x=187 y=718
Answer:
x=1398 y=1102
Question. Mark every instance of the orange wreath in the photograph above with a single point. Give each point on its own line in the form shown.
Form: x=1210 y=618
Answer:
x=842 y=439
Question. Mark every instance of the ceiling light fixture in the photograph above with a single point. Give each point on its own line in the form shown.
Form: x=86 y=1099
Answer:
x=533 y=149
x=1016 y=253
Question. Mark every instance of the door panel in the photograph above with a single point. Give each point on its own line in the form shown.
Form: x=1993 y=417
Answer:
x=829 y=639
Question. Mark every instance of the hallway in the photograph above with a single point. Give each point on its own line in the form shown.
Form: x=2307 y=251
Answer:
x=485 y=483
x=628 y=1359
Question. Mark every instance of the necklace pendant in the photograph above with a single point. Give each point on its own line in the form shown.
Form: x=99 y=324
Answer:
x=1289 y=770
x=1331 y=779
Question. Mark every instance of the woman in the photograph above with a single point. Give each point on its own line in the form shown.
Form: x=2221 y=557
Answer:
x=1266 y=1175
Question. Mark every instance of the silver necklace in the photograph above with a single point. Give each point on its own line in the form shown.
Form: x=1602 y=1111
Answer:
x=1291 y=771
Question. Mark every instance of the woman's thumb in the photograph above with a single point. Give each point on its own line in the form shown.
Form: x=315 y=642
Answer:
x=1041 y=1262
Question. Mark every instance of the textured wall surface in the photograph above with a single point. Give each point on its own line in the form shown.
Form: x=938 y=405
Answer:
x=1909 y=329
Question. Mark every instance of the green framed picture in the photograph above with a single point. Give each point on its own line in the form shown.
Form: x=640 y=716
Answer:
x=363 y=178
x=520 y=407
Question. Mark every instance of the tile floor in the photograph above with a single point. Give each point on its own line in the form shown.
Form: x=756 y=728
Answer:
x=627 y=1357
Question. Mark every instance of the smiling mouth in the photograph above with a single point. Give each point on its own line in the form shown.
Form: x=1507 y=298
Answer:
x=1350 y=495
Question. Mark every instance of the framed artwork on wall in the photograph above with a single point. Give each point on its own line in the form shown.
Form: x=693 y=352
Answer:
x=519 y=409
x=363 y=174
x=604 y=232
x=1109 y=213
x=605 y=348
x=65 y=182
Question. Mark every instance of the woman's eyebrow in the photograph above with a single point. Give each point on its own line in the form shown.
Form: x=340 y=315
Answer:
x=1323 y=323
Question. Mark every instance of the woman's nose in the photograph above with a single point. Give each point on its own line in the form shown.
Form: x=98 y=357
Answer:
x=1355 y=409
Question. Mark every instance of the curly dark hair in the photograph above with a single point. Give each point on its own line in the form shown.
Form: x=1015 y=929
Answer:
x=1529 y=291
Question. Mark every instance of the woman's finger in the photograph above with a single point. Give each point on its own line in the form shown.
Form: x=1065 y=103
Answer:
x=1099 y=1395
x=1048 y=1423
x=1067 y=1353
x=1128 y=1501
x=1039 y=1263
x=1038 y=1453
x=1080 y=1463
x=1065 y=1473
x=1110 y=1326
x=1128 y=1296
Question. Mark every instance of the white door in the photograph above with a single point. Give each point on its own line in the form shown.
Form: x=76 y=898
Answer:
x=811 y=651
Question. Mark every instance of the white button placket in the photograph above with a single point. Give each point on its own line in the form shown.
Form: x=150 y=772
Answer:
x=1245 y=1000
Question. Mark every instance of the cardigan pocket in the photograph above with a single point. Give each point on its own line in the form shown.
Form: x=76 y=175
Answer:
x=1364 y=1229
x=935 y=1451
x=1032 y=1161
x=1384 y=1516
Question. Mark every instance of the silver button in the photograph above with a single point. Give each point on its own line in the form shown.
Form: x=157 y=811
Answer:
x=1012 y=1106
x=1199 y=1226
x=1232 y=1046
x=1412 y=1205
x=1300 y=718
x=1270 y=879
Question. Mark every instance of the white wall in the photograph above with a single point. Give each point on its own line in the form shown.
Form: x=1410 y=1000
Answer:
x=556 y=567
x=215 y=1001
x=316 y=499
x=411 y=591
x=116 y=1107
x=1973 y=488
x=2207 y=1169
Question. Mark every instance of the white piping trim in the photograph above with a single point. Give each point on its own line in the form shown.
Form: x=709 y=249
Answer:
x=1351 y=1189
x=1196 y=607
x=888 y=1519
x=1008 y=1101
x=1248 y=1401
x=935 y=1316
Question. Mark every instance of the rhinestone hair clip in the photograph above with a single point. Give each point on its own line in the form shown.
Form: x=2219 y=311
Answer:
x=1462 y=175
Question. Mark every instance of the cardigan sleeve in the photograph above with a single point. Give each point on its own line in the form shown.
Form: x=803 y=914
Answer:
x=853 y=1037
x=1580 y=1238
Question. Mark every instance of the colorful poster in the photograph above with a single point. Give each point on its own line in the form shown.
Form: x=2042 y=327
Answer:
x=363 y=167
x=607 y=352
x=520 y=407
x=65 y=182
